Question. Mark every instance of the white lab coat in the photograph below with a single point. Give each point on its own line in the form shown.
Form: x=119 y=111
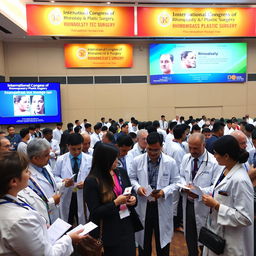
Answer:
x=23 y=232
x=163 y=125
x=234 y=220
x=36 y=202
x=95 y=138
x=57 y=134
x=55 y=152
x=63 y=169
x=177 y=152
x=47 y=189
x=206 y=175
x=135 y=151
x=168 y=176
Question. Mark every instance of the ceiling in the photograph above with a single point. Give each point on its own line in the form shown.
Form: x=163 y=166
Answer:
x=10 y=31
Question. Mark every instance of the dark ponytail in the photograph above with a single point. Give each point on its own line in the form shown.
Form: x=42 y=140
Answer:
x=243 y=156
x=229 y=145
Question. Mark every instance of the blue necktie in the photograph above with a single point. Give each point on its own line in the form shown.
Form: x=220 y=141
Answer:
x=47 y=176
x=75 y=168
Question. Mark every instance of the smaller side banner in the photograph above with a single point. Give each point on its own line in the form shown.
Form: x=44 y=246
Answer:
x=98 y=55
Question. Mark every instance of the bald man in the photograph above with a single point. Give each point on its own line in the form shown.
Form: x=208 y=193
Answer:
x=5 y=144
x=241 y=138
x=86 y=144
x=198 y=168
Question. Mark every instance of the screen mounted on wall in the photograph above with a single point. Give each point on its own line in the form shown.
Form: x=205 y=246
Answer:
x=198 y=63
x=24 y=103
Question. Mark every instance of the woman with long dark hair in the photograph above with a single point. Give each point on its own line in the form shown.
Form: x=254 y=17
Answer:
x=109 y=208
x=23 y=230
x=232 y=200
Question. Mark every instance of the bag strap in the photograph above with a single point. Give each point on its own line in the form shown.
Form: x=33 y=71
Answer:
x=101 y=229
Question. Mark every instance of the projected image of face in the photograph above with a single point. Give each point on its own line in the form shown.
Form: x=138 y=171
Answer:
x=37 y=105
x=166 y=61
x=188 y=59
x=21 y=105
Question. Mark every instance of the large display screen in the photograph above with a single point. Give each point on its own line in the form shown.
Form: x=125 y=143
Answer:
x=24 y=103
x=198 y=63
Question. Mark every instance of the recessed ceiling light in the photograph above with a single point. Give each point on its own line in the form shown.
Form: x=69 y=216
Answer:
x=52 y=1
x=108 y=2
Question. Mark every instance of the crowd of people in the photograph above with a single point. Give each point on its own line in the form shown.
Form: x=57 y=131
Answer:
x=180 y=175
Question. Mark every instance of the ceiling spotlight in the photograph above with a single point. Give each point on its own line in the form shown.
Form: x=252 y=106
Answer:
x=52 y=1
x=108 y=2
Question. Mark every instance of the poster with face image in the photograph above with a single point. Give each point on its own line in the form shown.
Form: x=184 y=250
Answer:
x=198 y=63
x=30 y=103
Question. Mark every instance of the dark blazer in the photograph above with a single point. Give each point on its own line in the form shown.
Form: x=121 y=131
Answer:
x=113 y=227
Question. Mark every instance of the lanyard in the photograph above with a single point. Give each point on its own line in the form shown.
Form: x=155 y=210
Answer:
x=12 y=201
x=38 y=190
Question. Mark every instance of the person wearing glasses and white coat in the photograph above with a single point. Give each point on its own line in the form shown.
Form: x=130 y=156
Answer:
x=160 y=171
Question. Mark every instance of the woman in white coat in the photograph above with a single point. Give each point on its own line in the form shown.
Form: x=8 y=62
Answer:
x=22 y=229
x=232 y=201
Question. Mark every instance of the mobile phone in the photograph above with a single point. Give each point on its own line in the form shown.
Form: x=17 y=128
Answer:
x=155 y=191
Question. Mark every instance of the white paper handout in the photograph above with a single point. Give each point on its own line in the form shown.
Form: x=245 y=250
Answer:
x=127 y=191
x=182 y=186
x=57 y=229
x=87 y=228
x=197 y=190
x=148 y=190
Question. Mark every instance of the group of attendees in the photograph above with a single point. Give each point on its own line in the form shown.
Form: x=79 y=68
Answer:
x=80 y=175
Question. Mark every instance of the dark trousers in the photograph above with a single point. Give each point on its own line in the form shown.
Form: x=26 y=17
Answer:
x=73 y=210
x=126 y=247
x=152 y=224
x=191 y=231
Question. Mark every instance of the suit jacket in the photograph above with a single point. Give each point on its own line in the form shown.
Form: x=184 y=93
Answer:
x=113 y=227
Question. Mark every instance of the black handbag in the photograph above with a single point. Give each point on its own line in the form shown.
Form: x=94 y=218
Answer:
x=212 y=241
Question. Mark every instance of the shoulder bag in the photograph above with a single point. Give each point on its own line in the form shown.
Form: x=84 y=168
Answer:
x=91 y=246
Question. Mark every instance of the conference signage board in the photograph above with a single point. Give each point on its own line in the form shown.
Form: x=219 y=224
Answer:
x=30 y=103
x=198 y=63
x=77 y=21
x=196 y=22
x=98 y=55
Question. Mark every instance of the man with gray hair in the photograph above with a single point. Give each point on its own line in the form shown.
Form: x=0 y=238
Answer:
x=198 y=168
x=138 y=149
x=41 y=179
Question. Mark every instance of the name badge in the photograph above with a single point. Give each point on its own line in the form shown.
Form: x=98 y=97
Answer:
x=124 y=211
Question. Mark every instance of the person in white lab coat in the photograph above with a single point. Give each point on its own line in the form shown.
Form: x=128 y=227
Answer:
x=57 y=132
x=86 y=143
x=42 y=180
x=77 y=163
x=23 y=230
x=163 y=123
x=96 y=136
x=231 y=204
x=160 y=172
x=138 y=149
x=55 y=147
x=198 y=168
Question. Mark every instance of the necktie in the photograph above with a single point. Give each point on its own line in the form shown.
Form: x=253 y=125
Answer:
x=143 y=151
x=47 y=176
x=75 y=168
x=195 y=168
